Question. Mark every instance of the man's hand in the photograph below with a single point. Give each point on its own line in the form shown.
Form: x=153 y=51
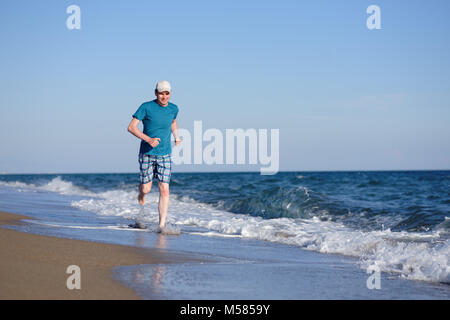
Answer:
x=174 y=128
x=153 y=141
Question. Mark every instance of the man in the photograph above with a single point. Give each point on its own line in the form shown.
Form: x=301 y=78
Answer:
x=159 y=119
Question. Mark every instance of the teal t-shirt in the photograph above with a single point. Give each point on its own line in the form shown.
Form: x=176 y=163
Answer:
x=157 y=122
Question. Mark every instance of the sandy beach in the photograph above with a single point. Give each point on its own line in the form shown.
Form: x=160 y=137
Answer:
x=34 y=266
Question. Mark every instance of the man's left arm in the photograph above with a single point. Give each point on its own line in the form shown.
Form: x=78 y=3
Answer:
x=174 y=128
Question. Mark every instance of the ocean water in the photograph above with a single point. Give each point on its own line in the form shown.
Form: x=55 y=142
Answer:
x=396 y=221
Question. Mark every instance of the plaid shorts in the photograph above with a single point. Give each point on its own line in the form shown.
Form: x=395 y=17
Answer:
x=152 y=166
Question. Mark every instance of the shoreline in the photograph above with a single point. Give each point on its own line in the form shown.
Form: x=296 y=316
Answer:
x=34 y=266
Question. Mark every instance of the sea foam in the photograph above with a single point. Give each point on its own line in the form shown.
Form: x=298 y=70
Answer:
x=412 y=255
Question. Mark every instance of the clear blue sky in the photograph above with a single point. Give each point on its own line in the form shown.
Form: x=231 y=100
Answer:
x=343 y=97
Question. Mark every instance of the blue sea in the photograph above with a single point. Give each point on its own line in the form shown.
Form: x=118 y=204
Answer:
x=398 y=221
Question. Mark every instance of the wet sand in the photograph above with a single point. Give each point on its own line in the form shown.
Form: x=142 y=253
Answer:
x=34 y=266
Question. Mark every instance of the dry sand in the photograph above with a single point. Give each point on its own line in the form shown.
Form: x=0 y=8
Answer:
x=34 y=266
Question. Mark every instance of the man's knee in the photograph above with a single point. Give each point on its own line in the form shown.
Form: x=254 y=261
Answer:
x=164 y=189
x=145 y=188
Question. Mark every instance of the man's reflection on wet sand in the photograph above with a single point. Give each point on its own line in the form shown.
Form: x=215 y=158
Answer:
x=154 y=273
x=158 y=270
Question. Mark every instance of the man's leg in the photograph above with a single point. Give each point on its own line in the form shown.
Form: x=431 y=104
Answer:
x=143 y=190
x=163 y=204
x=146 y=167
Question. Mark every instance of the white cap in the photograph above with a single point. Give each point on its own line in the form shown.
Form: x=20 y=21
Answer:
x=163 y=86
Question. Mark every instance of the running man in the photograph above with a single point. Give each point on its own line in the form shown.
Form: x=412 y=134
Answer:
x=159 y=119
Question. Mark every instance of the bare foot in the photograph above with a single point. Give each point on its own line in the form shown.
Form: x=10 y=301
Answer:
x=141 y=199
x=168 y=231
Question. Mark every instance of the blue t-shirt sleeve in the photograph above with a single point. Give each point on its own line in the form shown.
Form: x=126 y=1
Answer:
x=140 y=113
x=176 y=113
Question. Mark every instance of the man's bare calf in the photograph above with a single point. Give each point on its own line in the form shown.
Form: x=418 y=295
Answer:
x=163 y=204
x=143 y=190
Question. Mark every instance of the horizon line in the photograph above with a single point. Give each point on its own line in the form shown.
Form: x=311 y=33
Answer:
x=255 y=171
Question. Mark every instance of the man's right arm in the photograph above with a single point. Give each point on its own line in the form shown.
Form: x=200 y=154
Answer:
x=134 y=130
